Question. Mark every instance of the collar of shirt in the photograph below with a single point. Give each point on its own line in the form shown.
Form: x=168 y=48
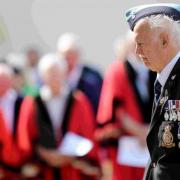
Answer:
x=10 y=95
x=7 y=103
x=46 y=94
x=163 y=76
x=55 y=105
x=74 y=76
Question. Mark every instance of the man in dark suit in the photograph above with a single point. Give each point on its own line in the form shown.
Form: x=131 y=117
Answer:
x=80 y=76
x=157 y=35
x=10 y=107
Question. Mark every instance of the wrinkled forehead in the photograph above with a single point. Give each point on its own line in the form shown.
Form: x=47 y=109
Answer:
x=144 y=31
x=141 y=26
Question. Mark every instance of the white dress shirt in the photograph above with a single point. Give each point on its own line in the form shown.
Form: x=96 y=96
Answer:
x=74 y=76
x=55 y=105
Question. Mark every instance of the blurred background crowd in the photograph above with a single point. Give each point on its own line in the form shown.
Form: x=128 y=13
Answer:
x=45 y=95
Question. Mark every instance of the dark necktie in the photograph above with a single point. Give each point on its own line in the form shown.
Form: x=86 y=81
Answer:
x=157 y=90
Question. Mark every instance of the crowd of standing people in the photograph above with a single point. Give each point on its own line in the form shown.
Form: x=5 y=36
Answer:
x=61 y=119
x=51 y=96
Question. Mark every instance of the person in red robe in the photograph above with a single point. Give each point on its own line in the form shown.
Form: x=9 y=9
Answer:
x=124 y=110
x=10 y=161
x=80 y=75
x=47 y=118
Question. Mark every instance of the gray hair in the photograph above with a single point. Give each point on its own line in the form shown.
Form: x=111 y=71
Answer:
x=68 y=41
x=51 y=60
x=165 y=23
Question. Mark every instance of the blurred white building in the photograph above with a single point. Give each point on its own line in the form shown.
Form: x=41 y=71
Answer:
x=40 y=22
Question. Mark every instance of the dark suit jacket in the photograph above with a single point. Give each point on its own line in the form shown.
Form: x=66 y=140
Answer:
x=90 y=84
x=165 y=158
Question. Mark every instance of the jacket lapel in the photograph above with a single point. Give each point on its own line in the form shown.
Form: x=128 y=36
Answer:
x=45 y=128
x=165 y=95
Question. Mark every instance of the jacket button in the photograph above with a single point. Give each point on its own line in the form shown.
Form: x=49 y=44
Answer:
x=154 y=165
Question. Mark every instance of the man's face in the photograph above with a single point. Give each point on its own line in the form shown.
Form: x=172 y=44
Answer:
x=148 y=46
x=5 y=83
x=54 y=78
x=71 y=58
x=32 y=57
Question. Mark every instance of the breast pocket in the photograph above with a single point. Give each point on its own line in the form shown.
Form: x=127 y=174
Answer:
x=168 y=135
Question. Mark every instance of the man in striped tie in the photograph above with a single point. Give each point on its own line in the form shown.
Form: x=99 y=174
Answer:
x=156 y=29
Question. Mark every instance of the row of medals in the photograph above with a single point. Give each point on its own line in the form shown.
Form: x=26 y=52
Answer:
x=172 y=110
x=172 y=113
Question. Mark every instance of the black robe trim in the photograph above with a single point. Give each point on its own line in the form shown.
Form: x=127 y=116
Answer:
x=17 y=107
x=46 y=133
x=45 y=129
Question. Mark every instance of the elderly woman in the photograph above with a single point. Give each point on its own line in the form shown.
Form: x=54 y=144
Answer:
x=47 y=119
x=10 y=104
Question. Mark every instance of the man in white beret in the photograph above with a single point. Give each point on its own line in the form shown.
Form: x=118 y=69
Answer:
x=157 y=34
x=80 y=76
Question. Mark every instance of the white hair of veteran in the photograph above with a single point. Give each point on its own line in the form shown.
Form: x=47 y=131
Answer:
x=48 y=61
x=165 y=23
x=68 y=41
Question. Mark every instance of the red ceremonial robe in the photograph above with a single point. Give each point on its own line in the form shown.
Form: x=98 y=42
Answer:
x=35 y=128
x=118 y=94
x=10 y=159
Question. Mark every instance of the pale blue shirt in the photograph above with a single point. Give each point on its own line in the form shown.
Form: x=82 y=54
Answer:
x=164 y=74
x=74 y=76
x=7 y=104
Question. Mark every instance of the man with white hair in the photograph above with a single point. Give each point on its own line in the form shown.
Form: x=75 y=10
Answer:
x=125 y=108
x=10 y=105
x=80 y=76
x=47 y=118
x=157 y=34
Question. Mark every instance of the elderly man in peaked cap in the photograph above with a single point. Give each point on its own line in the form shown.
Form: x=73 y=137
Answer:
x=157 y=34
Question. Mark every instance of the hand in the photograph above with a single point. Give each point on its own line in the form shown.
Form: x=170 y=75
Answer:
x=53 y=157
x=86 y=168
x=133 y=127
x=107 y=132
x=143 y=131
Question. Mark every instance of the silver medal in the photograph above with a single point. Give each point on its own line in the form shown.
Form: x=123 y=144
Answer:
x=166 y=116
x=178 y=115
x=174 y=115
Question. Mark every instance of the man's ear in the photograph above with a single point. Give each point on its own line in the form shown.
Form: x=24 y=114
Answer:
x=164 y=38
